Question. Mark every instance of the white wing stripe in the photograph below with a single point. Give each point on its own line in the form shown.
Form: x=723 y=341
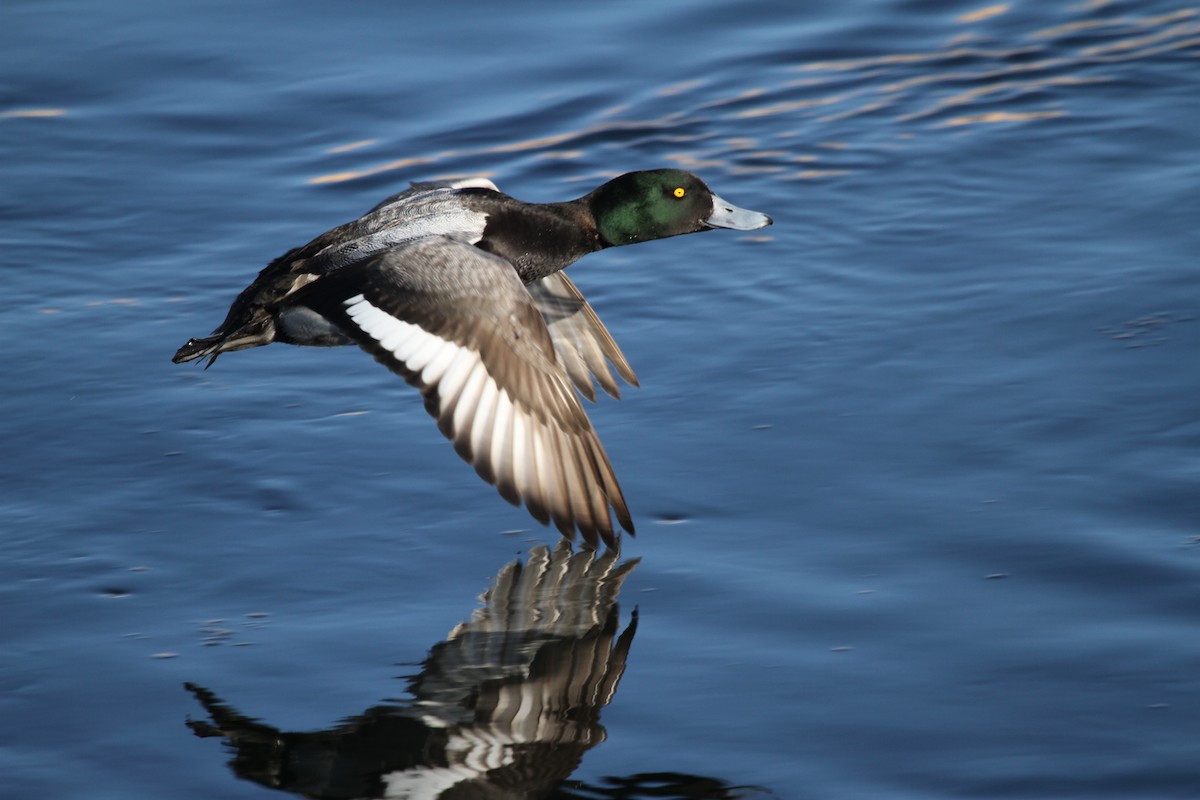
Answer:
x=521 y=455
x=437 y=367
x=548 y=469
x=481 y=428
x=426 y=349
x=419 y=350
x=464 y=409
x=393 y=339
x=407 y=345
x=387 y=330
x=456 y=374
x=501 y=448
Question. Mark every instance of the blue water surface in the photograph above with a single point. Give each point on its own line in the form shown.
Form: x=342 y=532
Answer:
x=916 y=471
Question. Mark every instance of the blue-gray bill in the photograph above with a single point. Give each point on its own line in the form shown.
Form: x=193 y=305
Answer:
x=726 y=215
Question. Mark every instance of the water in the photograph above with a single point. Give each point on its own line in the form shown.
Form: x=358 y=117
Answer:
x=915 y=470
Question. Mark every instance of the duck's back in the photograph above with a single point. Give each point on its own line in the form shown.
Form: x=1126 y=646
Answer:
x=452 y=209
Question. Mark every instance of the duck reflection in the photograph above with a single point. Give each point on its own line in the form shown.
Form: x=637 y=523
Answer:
x=505 y=707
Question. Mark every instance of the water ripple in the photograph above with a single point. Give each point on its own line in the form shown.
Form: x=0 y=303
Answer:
x=978 y=77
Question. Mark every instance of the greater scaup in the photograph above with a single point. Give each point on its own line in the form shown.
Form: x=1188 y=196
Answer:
x=458 y=288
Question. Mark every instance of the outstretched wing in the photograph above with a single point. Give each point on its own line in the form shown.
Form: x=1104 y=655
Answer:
x=583 y=344
x=458 y=324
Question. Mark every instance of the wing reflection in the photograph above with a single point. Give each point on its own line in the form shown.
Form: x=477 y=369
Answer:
x=506 y=706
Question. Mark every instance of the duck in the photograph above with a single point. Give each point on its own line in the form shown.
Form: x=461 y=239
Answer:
x=459 y=289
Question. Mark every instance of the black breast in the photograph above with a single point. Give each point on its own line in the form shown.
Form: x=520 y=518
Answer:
x=538 y=239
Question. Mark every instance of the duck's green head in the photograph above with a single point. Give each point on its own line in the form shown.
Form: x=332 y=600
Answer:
x=657 y=203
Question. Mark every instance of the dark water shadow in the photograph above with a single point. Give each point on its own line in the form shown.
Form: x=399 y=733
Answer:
x=505 y=707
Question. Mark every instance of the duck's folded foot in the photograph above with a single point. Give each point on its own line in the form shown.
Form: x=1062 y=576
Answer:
x=209 y=346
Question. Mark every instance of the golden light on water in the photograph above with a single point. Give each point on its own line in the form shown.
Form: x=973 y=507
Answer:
x=33 y=113
x=993 y=117
x=346 y=148
x=983 y=13
x=977 y=78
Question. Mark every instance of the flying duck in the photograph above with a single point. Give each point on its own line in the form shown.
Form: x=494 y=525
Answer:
x=458 y=288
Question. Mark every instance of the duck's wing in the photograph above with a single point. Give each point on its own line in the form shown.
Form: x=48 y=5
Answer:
x=584 y=346
x=458 y=324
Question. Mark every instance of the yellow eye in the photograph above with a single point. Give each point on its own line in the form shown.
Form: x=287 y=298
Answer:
x=680 y=191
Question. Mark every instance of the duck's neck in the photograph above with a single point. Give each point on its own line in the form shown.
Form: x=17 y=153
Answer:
x=540 y=239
